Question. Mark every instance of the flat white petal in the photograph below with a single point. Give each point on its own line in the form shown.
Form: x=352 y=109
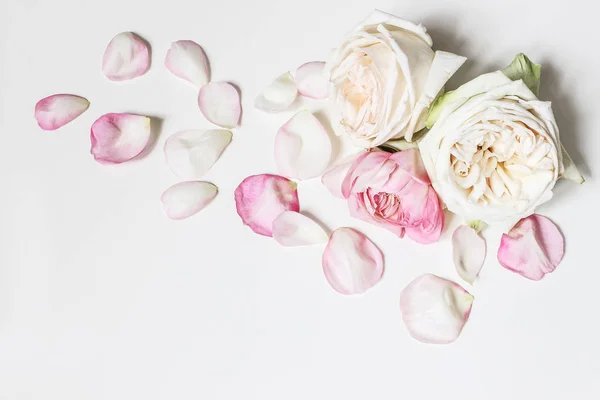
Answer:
x=220 y=104
x=185 y=199
x=186 y=60
x=126 y=57
x=312 y=81
x=468 y=252
x=294 y=229
x=278 y=96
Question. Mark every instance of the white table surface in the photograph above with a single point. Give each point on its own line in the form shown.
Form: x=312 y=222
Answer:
x=103 y=297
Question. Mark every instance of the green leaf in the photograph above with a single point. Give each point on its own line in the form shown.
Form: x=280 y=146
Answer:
x=523 y=68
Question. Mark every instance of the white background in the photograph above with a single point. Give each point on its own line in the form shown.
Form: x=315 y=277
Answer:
x=103 y=297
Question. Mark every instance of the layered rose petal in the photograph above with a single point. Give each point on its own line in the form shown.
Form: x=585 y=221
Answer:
x=117 y=138
x=468 y=252
x=126 y=57
x=302 y=147
x=294 y=229
x=186 y=60
x=55 y=111
x=312 y=81
x=185 y=199
x=351 y=262
x=220 y=104
x=532 y=248
x=434 y=309
x=334 y=177
x=278 y=96
x=260 y=199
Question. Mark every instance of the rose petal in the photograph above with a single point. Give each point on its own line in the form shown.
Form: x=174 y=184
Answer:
x=311 y=80
x=125 y=57
x=117 y=138
x=294 y=229
x=351 y=262
x=533 y=247
x=334 y=177
x=302 y=147
x=220 y=104
x=260 y=199
x=58 y=110
x=468 y=252
x=190 y=154
x=186 y=60
x=278 y=96
x=185 y=199
x=434 y=309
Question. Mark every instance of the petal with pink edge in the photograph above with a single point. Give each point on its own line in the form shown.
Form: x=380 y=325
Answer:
x=302 y=147
x=294 y=229
x=468 y=252
x=260 y=199
x=351 y=262
x=126 y=57
x=58 y=110
x=434 y=309
x=278 y=96
x=185 y=199
x=186 y=60
x=334 y=176
x=532 y=248
x=117 y=138
x=311 y=80
x=220 y=104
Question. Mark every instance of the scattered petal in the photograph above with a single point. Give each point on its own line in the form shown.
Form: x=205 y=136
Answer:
x=334 y=177
x=434 y=309
x=533 y=248
x=220 y=104
x=351 y=262
x=190 y=154
x=117 y=138
x=260 y=199
x=478 y=225
x=186 y=60
x=278 y=96
x=302 y=147
x=468 y=251
x=571 y=172
x=294 y=229
x=126 y=57
x=58 y=110
x=185 y=199
x=311 y=80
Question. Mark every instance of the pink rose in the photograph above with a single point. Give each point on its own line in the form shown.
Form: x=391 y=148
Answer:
x=391 y=190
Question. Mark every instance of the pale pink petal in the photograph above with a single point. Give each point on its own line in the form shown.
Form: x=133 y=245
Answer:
x=58 y=110
x=302 y=147
x=362 y=172
x=410 y=161
x=186 y=60
x=126 y=57
x=533 y=247
x=294 y=229
x=185 y=199
x=117 y=138
x=278 y=96
x=334 y=177
x=260 y=199
x=468 y=252
x=220 y=104
x=434 y=309
x=351 y=262
x=311 y=80
x=190 y=154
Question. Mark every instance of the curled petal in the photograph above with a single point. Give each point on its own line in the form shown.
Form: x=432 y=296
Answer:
x=260 y=199
x=351 y=262
x=190 y=154
x=117 y=138
x=185 y=199
x=220 y=104
x=278 y=96
x=302 y=147
x=186 y=60
x=58 y=110
x=334 y=177
x=125 y=57
x=294 y=229
x=312 y=81
x=533 y=247
x=468 y=252
x=434 y=309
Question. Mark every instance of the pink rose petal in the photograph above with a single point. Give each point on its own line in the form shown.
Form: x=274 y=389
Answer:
x=351 y=262
x=185 y=199
x=311 y=80
x=220 y=104
x=434 y=309
x=58 y=110
x=294 y=229
x=533 y=248
x=278 y=96
x=260 y=199
x=334 y=177
x=186 y=60
x=468 y=252
x=117 y=138
x=126 y=57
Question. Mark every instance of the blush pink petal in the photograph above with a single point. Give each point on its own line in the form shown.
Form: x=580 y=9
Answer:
x=117 y=138
x=410 y=161
x=260 y=199
x=334 y=177
x=58 y=110
x=185 y=199
x=291 y=228
x=311 y=80
x=468 y=252
x=431 y=223
x=186 y=60
x=362 y=171
x=351 y=262
x=532 y=248
x=358 y=209
x=220 y=104
x=126 y=57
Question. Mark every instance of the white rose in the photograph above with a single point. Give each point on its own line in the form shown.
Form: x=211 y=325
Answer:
x=384 y=77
